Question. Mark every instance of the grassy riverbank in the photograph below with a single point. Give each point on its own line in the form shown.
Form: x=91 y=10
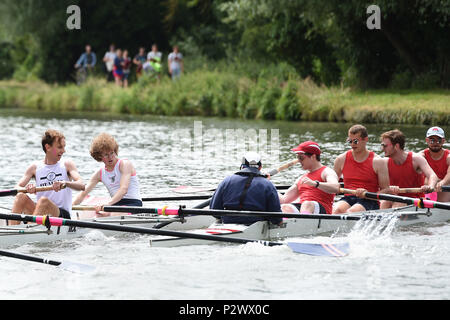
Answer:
x=227 y=94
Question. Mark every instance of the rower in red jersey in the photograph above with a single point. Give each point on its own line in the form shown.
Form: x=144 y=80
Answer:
x=362 y=170
x=439 y=160
x=406 y=169
x=316 y=188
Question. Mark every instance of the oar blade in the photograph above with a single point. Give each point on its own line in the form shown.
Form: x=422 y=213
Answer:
x=321 y=249
x=77 y=267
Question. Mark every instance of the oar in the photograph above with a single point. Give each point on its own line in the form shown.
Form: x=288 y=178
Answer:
x=342 y=249
x=13 y=192
x=191 y=189
x=418 y=202
x=181 y=198
x=400 y=190
x=66 y=265
x=210 y=212
x=199 y=206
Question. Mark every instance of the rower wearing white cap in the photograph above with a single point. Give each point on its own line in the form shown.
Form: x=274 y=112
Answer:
x=316 y=188
x=247 y=190
x=439 y=160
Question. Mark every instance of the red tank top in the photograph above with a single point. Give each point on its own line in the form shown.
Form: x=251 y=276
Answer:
x=360 y=174
x=308 y=193
x=440 y=166
x=405 y=176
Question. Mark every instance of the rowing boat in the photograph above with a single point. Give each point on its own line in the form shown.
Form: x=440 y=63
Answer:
x=294 y=227
x=34 y=233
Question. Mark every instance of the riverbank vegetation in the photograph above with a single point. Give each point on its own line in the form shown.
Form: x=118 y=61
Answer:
x=252 y=59
x=228 y=94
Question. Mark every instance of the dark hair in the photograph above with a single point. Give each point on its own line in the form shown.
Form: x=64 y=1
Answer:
x=395 y=136
x=357 y=128
x=50 y=136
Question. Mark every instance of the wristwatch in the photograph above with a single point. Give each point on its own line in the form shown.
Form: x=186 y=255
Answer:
x=317 y=184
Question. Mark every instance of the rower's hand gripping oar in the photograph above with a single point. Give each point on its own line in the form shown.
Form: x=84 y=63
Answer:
x=13 y=192
x=340 y=251
x=417 y=202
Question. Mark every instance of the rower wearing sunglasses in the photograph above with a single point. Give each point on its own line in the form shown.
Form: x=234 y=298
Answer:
x=406 y=169
x=314 y=191
x=362 y=170
x=439 y=160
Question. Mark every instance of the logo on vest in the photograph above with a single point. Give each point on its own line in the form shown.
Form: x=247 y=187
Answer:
x=51 y=176
x=113 y=179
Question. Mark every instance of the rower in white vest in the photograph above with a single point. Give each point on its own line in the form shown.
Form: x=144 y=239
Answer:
x=61 y=174
x=118 y=175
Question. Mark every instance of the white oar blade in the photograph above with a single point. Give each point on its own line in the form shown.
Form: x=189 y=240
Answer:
x=321 y=249
x=77 y=267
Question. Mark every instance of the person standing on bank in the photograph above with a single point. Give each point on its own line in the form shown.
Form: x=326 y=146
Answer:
x=118 y=175
x=247 y=190
x=61 y=174
x=316 y=188
x=175 y=63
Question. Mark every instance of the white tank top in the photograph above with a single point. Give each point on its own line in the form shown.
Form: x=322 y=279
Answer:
x=111 y=179
x=46 y=175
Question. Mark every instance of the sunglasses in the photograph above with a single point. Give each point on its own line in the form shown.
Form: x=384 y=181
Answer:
x=436 y=141
x=354 y=141
x=301 y=157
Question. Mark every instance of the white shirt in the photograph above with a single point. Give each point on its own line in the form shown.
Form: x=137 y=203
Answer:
x=46 y=175
x=110 y=62
x=111 y=180
x=153 y=55
x=174 y=63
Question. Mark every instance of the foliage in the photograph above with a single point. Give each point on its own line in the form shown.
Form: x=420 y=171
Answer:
x=325 y=40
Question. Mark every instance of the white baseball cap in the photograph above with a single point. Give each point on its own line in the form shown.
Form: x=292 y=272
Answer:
x=435 y=131
x=251 y=159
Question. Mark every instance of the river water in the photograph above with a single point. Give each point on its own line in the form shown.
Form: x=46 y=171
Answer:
x=409 y=263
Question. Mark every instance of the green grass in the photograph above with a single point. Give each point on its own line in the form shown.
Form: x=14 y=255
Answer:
x=229 y=94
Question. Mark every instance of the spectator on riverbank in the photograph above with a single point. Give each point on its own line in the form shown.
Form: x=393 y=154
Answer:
x=139 y=61
x=87 y=60
x=153 y=65
x=85 y=65
x=175 y=63
x=126 y=65
x=118 y=68
x=108 y=59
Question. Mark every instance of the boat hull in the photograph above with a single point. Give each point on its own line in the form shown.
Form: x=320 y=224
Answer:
x=264 y=230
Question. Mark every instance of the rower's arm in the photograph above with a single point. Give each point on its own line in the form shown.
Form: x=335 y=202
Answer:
x=77 y=182
x=446 y=179
x=126 y=171
x=28 y=175
x=423 y=165
x=291 y=194
x=91 y=185
x=381 y=169
x=331 y=184
x=339 y=165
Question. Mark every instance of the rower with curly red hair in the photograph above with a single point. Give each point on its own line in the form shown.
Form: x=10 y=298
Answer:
x=118 y=175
